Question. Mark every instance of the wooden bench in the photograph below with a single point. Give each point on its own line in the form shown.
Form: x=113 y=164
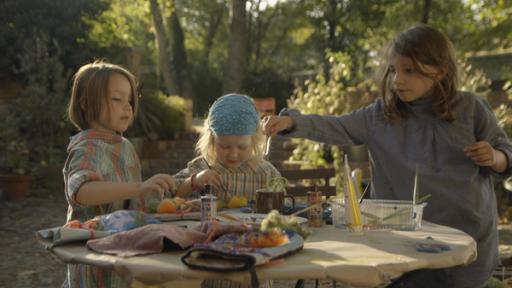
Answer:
x=296 y=176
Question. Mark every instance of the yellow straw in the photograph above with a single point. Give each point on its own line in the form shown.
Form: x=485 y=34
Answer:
x=355 y=211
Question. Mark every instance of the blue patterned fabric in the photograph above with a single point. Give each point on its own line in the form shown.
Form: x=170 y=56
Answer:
x=124 y=220
x=233 y=115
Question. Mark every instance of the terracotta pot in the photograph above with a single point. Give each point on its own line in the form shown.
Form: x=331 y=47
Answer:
x=14 y=187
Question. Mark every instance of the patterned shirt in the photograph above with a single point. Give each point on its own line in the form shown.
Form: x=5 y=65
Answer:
x=97 y=156
x=240 y=181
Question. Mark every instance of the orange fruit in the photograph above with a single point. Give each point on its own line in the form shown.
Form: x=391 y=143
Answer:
x=73 y=224
x=237 y=202
x=166 y=206
x=91 y=224
x=268 y=239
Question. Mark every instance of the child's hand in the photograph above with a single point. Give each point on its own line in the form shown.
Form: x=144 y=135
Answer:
x=208 y=177
x=274 y=124
x=158 y=183
x=482 y=153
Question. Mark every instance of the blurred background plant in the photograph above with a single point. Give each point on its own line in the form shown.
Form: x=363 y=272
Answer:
x=14 y=153
x=35 y=126
x=343 y=91
x=160 y=117
x=504 y=116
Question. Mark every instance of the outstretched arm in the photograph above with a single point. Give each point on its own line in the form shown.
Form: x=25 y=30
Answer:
x=348 y=129
x=102 y=192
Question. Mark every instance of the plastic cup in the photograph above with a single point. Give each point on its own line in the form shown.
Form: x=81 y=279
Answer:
x=338 y=212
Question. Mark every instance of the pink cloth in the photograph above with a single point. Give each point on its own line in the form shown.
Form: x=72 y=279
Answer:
x=145 y=240
x=155 y=238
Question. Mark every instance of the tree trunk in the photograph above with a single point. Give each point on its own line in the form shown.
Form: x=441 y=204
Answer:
x=179 y=58
x=237 y=54
x=426 y=11
x=215 y=21
x=170 y=81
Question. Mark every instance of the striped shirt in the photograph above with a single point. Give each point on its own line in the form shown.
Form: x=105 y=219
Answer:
x=97 y=156
x=240 y=181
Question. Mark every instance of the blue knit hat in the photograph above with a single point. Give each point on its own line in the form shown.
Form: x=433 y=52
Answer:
x=233 y=115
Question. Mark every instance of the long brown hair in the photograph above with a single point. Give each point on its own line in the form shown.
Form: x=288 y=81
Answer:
x=424 y=45
x=90 y=91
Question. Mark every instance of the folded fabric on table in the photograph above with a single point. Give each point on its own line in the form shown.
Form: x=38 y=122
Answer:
x=61 y=235
x=149 y=239
x=232 y=252
x=156 y=238
x=108 y=224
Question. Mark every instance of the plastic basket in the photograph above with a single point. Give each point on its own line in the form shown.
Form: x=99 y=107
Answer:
x=394 y=214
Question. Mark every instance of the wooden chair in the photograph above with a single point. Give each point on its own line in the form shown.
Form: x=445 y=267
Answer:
x=295 y=177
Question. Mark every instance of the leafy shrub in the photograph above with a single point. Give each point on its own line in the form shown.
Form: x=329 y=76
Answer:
x=339 y=94
x=36 y=119
x=14 y=156
x=160 y=117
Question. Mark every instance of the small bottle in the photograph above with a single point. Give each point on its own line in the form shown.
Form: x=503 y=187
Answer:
x=208 y=205
x=315 y=214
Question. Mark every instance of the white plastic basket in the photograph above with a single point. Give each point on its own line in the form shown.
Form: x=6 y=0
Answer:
x=394 y=214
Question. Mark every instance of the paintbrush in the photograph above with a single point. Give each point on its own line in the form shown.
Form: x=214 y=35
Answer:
x=308 y=208
x=222 y=187
x=268 y=143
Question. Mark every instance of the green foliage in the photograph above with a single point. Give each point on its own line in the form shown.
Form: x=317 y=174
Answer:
x=59 y=18
x=126 y=23
x=160 y=117
x=334 y=96
x=473 y=79
x=36 y=118
x=504 y=112
x=14 y=154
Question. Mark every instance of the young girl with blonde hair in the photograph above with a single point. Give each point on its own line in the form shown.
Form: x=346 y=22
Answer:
x=230 y=148
x=231 y=158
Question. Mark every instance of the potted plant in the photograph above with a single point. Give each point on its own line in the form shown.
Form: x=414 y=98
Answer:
x=36 y=117
x=14 y=172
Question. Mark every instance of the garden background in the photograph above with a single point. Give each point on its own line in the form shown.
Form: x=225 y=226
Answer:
x=320 y=56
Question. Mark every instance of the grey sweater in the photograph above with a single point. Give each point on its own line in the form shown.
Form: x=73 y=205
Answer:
x=462 y=192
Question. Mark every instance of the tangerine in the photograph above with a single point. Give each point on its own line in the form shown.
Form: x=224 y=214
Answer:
x=166 y=206
x=237 y=202
x=73 y=224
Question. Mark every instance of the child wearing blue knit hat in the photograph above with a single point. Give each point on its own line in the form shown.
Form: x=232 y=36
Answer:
x=231 y=158
x=230 y=148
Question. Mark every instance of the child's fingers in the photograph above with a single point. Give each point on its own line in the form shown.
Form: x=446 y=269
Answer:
x=169 y=179
x=481 y=153
x=150 y=186
x=266 y=124
x=476 y=152
x=483 y=160
x=214 y=180
x=273 y=124
x=165 y=181
x=477 y=146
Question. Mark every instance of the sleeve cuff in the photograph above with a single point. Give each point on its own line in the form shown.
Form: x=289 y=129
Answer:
x=298 y=121
x=508 y=155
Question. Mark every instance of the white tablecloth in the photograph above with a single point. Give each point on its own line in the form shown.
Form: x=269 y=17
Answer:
x=368 y=260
